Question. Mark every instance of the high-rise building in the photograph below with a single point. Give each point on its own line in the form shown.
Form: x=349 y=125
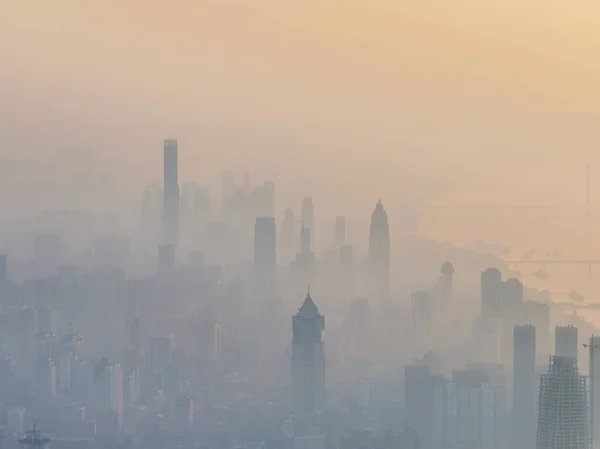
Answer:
x=594 y=351
x=512 y=301
x=421 y=323
x=524 y=384
x=421 y=381
x=486 y=340
x=469 y=411
x=46 y=378
x=305 y=240
x=339 y=239
x=566 y=338
x=308 y=358
x=171 y=193
x=357 y=332
x=184 y=413
x=264 y=257
x=379 y=252
x=491 y=293
x=308 y=217
x=287 y=237
x=108 y=385
x=538 y=315
x=303 y=267
x=562 y=413
x=166 y=260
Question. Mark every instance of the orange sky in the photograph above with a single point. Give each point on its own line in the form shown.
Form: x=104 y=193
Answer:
x=347 y=100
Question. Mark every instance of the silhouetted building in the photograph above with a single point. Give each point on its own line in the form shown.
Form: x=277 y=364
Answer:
x=594 y=351
x=512 y=301
x=422 y=324
x=566 y=338
x=308 y=358
x=379 y=253
x=264 y=257
x=171 y=193
x=563 y=413
x=491 y=293
x=303 y=267
x=476 y=415
x=308 y=218
x=420 y=386
x=46 y=378
x=538 y=315
x=524 y=386
x=445 y=287
x=108 y=386
x=486 y=340
x=287 y=237
x=357 y=332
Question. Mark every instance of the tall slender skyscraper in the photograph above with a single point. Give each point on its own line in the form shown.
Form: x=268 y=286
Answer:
x=264 y=257
x=308 y=217
x=287 y=237
x=171 y=193
x=491 y=293
x=379 y=252
x=563 y=413
x=308 y=358
x=340 y=232
x=594 y=348
x=566 y=338
x=524 y=387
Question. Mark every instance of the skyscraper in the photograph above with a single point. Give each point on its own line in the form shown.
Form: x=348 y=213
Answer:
x=512 y=300
x=171 y=193
x=486 y=340
x=566 y=342
x=524 y=387
x=491 y=293
x=166 y=260
x=308 y=216
x=379 y=252
x=308 y=358
x=264 y=256
x=108 y=385
x=421 y=323
x=562 y=414
x=594 y=348
x=287 y=237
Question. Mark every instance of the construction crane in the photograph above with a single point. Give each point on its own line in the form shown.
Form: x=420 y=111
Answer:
x=591 y=349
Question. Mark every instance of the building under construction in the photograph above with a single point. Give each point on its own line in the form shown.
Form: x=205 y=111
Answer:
x=563 y=413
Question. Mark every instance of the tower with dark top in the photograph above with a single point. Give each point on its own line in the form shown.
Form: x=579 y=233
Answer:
x=308 y=358
x=379 y=252
x=171 y=193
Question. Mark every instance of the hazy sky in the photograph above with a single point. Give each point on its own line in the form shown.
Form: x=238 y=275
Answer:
x=347 y=100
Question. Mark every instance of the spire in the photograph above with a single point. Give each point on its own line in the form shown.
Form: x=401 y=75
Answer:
x=308 y=306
